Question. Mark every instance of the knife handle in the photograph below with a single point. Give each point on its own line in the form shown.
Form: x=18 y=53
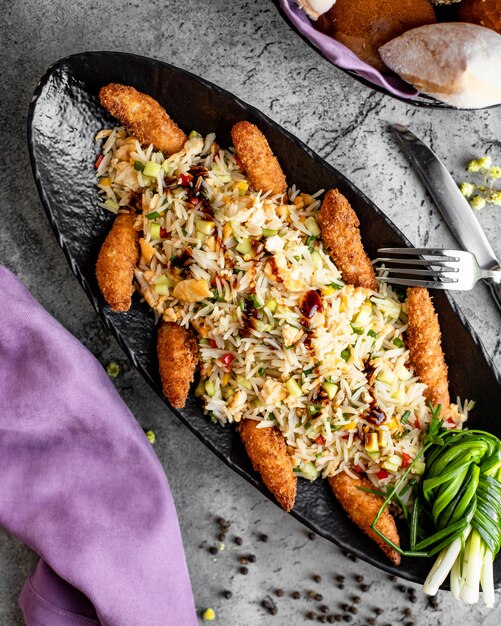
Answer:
x=495 y=291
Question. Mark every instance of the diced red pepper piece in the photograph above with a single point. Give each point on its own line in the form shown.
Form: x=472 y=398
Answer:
x=382 y=474
x=185 y=179
x=98 y=161
x=163 y=232
x=227 y=359
x=358 y=469
x=406 y=460
x=194 y=201
x=213 y=343
x=417 y=424
x=450 y=420
x=320 y=440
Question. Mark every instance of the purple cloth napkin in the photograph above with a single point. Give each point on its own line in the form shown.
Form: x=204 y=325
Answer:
x=80 y=483
x=342 y=56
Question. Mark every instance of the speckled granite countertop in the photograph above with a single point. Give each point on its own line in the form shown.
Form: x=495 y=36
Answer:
x=246 y=48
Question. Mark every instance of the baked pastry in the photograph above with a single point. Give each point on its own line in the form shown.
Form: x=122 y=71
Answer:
x=365 y=25
x=455 y=62
x=484 y=12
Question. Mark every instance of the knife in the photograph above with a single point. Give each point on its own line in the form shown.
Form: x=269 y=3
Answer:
x=451 y=203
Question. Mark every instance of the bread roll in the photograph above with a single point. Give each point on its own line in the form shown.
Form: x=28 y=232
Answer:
x=484 y=12
x=454 y=62
x=365 y=25
x=315 y=8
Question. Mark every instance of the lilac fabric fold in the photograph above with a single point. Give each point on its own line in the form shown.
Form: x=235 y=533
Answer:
x=80 y=483
x=342 y=56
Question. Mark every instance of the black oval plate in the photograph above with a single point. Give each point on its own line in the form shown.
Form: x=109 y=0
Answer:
x=63 y=119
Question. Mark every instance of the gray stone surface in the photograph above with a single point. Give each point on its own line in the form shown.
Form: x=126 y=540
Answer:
x=246 y=48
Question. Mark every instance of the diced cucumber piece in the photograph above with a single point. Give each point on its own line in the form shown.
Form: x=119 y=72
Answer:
x=419 y=468
x=374 y=455
x=371 y=442
x=313 y=409
x=155 y=231
x=390 y=466
x=210 y=388
x=394 y=459
x=243 y=382
x=307 y=470
x=330 y=389
x=386 y=376
x=269 y=232
x=245 y=246
x=203 y=226
x=111 y=206
x=388 y=307
x=363 y=317
x=228 y=392
x=312 y=225
x=202 y=237
x=194 y=134
x=152 y=169
x=271 y=305
x=162 y=285
x=317 y=260
x=381 y=438
x=293 y=388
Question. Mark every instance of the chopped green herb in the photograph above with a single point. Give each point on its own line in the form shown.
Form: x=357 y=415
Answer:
x=262 y=371
x=152 y=215
x=335 y=285
x=357 y=331
x=213 y=418
x=405 y=417
x=372 y=333
x=400 y=293
x=113 y=369
x=346 y=353
x=398 y=342
x=139 y=166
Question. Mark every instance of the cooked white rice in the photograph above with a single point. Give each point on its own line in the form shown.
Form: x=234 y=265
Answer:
x=326 y=382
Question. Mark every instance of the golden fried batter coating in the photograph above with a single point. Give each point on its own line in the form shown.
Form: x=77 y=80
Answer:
x=425 y=349
x=261 y=165
x=117 y=261
x=362 y=508
x=143 y=117
x=341 y=237
x=267 y=451
x=177 y=352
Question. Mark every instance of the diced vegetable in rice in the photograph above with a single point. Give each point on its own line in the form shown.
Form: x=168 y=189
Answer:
x=282 y=340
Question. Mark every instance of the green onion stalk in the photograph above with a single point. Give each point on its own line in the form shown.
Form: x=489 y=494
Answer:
x=456 y=511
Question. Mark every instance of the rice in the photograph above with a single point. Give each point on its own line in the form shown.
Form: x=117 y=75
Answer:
x=326 y=379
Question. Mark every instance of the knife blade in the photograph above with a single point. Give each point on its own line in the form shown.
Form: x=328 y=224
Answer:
x=451 y=203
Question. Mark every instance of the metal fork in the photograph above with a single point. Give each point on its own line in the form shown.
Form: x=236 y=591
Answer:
x=445 y=269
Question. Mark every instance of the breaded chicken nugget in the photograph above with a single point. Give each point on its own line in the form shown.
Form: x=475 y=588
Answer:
x=341 y=236
x=143 y=117
x=117 y=261
x=362 y=508
x=177 y=352
x=425 y=349
x=261 y=165
x=267 y=450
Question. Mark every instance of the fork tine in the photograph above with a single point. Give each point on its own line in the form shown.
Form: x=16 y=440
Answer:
x=429 y=284
x=431 y=273
x=414 y=261
x=420 y=251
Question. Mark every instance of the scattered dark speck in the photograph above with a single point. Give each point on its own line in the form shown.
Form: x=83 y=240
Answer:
x=364 y=587
x=213 y=550
x=311 y=615
x=279 y=593
x=251 y=558
x=295 y=595
x=317 y=578
x=323 y=609
x=359 y=578
x=311 y=536
x=262 y=537
x=227 y=594
x=238 y=540
x=244 y=570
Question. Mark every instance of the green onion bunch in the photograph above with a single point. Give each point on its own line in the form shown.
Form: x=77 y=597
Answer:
x=456 y=511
